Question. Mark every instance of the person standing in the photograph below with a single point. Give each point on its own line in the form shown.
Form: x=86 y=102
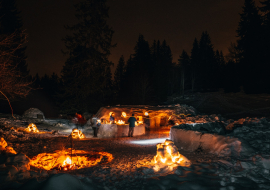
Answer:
x=112 y=118
x=95 y=125
x=131 y=122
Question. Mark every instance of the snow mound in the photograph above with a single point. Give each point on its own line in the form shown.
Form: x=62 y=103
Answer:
x=212 y=143
x=33 y=113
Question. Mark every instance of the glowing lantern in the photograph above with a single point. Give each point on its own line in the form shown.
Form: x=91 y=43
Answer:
x=77 y=134
x=146 y=113
x=124 y=114
x=167 y=154
x=120 y=122
x=32 y=128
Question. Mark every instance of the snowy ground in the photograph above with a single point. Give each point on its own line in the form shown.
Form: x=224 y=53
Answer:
x=131 y=168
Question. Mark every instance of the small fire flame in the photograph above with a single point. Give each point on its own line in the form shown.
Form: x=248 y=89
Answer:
x=120 y=122
x=167 y=153
x=124 y=114
x=32 y=128
x=67 y=164
x=138 y=123
x=146 y=113
x=77 y=134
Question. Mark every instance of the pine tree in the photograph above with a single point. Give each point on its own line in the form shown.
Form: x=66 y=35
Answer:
x=265 y=9
x=140 y=72
x=219 y=67
x=86 y=69
x=119 y=76
x=184 y=64
x=11 y=24
x=207 y=62
x=249 y=42
x=194 y=63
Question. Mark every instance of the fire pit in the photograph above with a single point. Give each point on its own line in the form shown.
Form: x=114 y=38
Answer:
x=64 y=160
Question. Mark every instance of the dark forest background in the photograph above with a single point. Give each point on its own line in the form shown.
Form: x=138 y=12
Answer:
x=148 y=76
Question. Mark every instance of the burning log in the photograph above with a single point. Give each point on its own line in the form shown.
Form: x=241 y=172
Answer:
x=32 y=128
x=168 y=155
x=77 y=134
x=62 y=161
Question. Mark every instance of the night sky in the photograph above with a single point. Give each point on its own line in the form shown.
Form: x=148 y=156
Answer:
x=176 y=21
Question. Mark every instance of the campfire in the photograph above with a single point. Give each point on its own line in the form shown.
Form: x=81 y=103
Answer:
x=168 y=155
x=32 y=128
x=77 y=134
x=63 y=160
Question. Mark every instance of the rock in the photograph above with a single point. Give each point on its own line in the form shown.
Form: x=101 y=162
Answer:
x=23 y=175
x=18 y=158
x=44 y=173
x=179 y=171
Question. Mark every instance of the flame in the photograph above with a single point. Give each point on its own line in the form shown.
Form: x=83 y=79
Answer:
x=138 y=123
x=124 y=114
x=146 y=113
x=77 y=134
x=67 y=164
x=120 y=122
x=167 y=153
x=32 y=128
x=110 y=113
x=60 y=160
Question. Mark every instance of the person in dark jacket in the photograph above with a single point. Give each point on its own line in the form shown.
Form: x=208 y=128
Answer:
x=112 y=118
x=131 y=122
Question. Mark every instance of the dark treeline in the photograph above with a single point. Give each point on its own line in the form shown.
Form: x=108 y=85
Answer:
x=149 y=76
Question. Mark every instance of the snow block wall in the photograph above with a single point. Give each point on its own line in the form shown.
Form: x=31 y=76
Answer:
x=113 y=130
x=212 y=143
x=122 y=130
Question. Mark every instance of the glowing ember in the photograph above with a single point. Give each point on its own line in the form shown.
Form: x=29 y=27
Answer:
x=77 y=134
x=167 y=154
x=120 y=122
x=124 y=114
x=63 y=161
x=146 y=113
x=32 y=128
